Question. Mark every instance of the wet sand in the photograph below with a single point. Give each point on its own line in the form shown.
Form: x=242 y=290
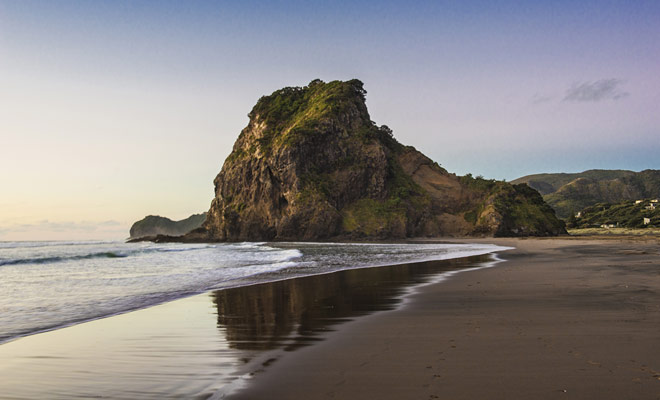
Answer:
x=204 y=346
x=559 y=319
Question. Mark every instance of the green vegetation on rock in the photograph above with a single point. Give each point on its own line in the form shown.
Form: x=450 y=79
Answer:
x=373 y=218
x=524 y=211
x=312 y=165
x=478 y=183
x=292 y=113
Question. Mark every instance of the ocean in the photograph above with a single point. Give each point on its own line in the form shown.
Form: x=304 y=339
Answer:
x=49 y=285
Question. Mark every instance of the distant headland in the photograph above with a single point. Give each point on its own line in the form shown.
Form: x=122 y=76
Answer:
x=154 y=225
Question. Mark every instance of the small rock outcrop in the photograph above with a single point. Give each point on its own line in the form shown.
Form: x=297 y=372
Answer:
x=154 y=225
x=311 y=165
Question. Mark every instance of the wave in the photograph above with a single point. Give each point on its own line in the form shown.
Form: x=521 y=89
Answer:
x=176 y=249
x=51 y=243
x=290 y=255
x=95 y=255
x=157 y=273
x=49 y=260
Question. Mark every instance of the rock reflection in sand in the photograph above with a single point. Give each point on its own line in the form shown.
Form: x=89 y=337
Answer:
x=196 y=348
x=292 y=313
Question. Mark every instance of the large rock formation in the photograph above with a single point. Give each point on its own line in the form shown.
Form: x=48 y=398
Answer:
x=312 y=165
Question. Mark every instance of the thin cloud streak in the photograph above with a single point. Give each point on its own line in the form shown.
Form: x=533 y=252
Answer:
x=541 y=98
x=603 y=89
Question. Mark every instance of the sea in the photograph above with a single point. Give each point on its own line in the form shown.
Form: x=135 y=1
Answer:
x=53 y=284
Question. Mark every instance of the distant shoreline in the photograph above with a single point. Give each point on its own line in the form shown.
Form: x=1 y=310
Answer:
x=198 y=333
x=621 y=232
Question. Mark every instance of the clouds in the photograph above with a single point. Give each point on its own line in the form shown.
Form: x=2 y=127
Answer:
x=604 y=89
x=584 y=92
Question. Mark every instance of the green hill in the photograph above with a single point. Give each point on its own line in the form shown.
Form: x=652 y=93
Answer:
x=570 y=193
x=627 y=214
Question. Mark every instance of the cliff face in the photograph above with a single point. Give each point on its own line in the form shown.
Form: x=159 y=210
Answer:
x=312 y=165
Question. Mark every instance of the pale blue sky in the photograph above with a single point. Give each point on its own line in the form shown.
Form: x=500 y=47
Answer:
x=110 y=111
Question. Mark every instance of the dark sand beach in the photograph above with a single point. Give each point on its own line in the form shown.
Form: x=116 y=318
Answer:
x=204 y=346
x=561 y=318
x=558 y=318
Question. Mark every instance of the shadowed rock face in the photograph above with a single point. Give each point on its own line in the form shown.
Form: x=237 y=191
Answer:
x=312 y=165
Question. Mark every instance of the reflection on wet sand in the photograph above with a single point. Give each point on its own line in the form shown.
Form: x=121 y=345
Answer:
x=192 y=348
x=292 y=313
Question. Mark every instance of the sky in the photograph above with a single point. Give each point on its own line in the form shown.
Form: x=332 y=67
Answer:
x=114 y=110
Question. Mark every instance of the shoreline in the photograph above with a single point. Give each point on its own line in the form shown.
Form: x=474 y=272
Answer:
x=248 y=280
x=232 y=327
x=553 y=319
x=560 y=318
x=311 y=329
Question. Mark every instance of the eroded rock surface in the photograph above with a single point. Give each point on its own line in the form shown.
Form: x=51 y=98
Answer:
x=311 y=165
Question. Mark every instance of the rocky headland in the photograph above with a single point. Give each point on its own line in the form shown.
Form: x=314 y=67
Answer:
x=312 y=165
x=154 y=225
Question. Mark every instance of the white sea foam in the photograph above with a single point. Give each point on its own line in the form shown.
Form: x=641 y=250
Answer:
x=44 y=285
